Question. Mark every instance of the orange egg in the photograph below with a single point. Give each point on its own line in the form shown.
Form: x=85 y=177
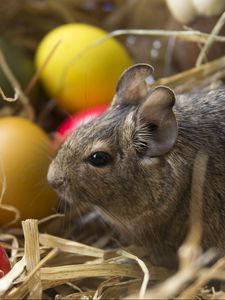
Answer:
x=25 y=153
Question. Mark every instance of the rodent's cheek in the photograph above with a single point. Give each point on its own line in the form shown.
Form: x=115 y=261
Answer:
x=87 y=170
x=91 y=178
x=101 y=171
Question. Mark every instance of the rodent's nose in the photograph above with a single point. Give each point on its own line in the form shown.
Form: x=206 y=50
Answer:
x=54 y=180
x=56 y=183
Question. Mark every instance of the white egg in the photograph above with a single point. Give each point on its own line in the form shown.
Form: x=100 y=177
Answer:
x=182 y=10
x=209 y=7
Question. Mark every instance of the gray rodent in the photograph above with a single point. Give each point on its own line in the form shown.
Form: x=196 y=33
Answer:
x=135 y=162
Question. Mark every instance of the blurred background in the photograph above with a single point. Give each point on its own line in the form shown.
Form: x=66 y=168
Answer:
x=24 y=23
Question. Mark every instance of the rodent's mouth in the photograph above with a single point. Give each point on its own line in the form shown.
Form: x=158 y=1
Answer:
x=66 y=199
x=64 y=206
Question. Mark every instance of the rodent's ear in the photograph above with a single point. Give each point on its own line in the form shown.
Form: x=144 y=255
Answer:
x=157 y=126
x=132 y=86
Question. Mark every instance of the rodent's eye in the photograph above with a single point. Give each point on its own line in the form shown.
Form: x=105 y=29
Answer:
x=99 y=159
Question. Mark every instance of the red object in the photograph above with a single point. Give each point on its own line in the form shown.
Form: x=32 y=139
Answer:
x=79 y=118
x=5 y=266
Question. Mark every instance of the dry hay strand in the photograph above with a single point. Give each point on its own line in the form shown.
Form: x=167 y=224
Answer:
x=37 y=278
x=207 y=76
x=19 y=94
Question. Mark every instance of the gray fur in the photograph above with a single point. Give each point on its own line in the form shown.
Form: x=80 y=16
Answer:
x=147 y=198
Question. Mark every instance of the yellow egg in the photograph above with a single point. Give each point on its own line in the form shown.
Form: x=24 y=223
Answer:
x=25 y=153
x=76 y=76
